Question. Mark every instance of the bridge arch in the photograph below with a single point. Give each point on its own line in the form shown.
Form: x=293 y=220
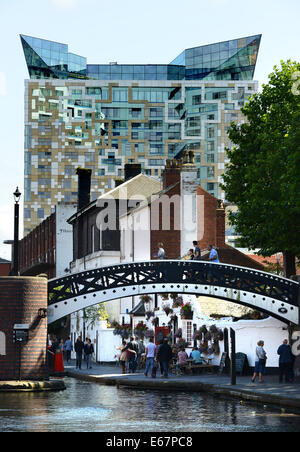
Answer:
x=265 y=292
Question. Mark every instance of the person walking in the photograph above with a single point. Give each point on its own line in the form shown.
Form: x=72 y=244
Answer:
x=79 y=347
x=88 y=351
x=197 y=252
x=161 y=254
x=285 y=362
x=133 y=349
x=164 y=356
x=68 y=348
x=213 y=255
x=191 y=254
x=59 y=357
x=260 y=362
x=123 y=356
x=141 y=351
x=150 y=354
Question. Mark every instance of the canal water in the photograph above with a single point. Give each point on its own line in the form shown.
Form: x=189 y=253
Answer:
x=88 y=407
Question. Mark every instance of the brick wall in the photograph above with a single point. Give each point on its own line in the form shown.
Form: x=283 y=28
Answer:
x=207 y=219
x=37 y=250
x=171 y=238
x=4 y=269
x=20 y=300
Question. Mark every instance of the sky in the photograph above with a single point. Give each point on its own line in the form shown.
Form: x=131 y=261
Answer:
x=130 y=32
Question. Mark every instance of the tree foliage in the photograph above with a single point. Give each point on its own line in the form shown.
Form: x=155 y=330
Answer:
x=262 y=178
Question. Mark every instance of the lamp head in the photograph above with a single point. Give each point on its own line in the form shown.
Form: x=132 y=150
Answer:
x=17 y=195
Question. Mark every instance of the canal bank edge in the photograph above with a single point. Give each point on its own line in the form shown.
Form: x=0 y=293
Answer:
x=32 y=386
x=169 y=385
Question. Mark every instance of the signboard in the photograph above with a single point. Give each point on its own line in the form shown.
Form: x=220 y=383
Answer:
x=21 y=333
x=241 y=362
x=160 y=333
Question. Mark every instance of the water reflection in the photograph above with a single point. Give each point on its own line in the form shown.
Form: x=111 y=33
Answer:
x=89 y=407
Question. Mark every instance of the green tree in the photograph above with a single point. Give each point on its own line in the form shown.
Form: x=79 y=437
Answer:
x=262 y=178
x=95 y=313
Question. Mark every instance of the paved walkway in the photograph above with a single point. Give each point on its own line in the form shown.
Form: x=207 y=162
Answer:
x=271 y=392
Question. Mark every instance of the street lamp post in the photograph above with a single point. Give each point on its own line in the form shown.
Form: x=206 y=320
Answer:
x=17 y=196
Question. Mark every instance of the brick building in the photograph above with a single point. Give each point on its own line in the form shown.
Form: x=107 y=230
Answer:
x=5 y=266
x=48 y=248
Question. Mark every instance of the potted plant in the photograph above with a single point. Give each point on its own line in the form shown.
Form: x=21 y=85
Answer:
x=186 y=311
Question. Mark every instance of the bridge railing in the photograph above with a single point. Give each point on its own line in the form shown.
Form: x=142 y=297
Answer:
x=189 y=273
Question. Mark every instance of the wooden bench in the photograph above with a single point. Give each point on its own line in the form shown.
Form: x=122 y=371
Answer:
x=208 y=367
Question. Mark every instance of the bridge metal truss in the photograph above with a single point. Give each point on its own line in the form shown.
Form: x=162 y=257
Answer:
x=274 y=295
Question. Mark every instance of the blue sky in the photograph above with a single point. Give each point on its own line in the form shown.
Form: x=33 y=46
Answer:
x=128 y=32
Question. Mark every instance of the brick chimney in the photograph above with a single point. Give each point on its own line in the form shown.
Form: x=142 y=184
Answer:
x=84 y=187
x=171 y=173
x=211 y=220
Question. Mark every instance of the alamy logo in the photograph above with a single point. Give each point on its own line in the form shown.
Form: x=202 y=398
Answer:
x=296 y=84
x=296 y=343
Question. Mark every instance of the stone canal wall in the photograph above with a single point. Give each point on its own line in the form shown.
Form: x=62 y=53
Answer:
x=20 y=300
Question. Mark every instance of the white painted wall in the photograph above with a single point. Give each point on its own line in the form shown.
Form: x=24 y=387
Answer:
x=97 y=260
x=249 y=332
x=106 y=345
x=189 y=230
x=64 y=238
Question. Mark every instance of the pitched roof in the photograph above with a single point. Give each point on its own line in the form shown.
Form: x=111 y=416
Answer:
x=139 y=310
x=139 y=187
x=4 y=261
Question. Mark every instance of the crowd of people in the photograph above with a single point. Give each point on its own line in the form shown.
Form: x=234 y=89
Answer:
x=134 y=356
x=60 y=351
x=193 y=254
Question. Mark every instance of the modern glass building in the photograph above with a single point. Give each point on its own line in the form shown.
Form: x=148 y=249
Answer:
x=103 y=116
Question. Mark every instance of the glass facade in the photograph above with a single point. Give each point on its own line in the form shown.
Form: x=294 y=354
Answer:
x=104 y=116
x=229 y=60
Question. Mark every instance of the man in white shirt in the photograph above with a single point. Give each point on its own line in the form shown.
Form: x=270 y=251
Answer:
x=150 y=354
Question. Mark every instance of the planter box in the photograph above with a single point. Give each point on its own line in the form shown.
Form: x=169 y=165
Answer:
x=187 y=316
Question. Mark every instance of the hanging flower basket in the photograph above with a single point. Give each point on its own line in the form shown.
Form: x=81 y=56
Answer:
x=186 y=311
x=140 y=330
x=145 y=298
x=167 y=308
x=149 y=334
x=178 y=302
x=155 y=321
x=197 y=336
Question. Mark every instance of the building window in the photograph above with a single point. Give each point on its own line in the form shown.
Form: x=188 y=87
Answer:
x=41 y=214
x=189 y=332
x=27 y=213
